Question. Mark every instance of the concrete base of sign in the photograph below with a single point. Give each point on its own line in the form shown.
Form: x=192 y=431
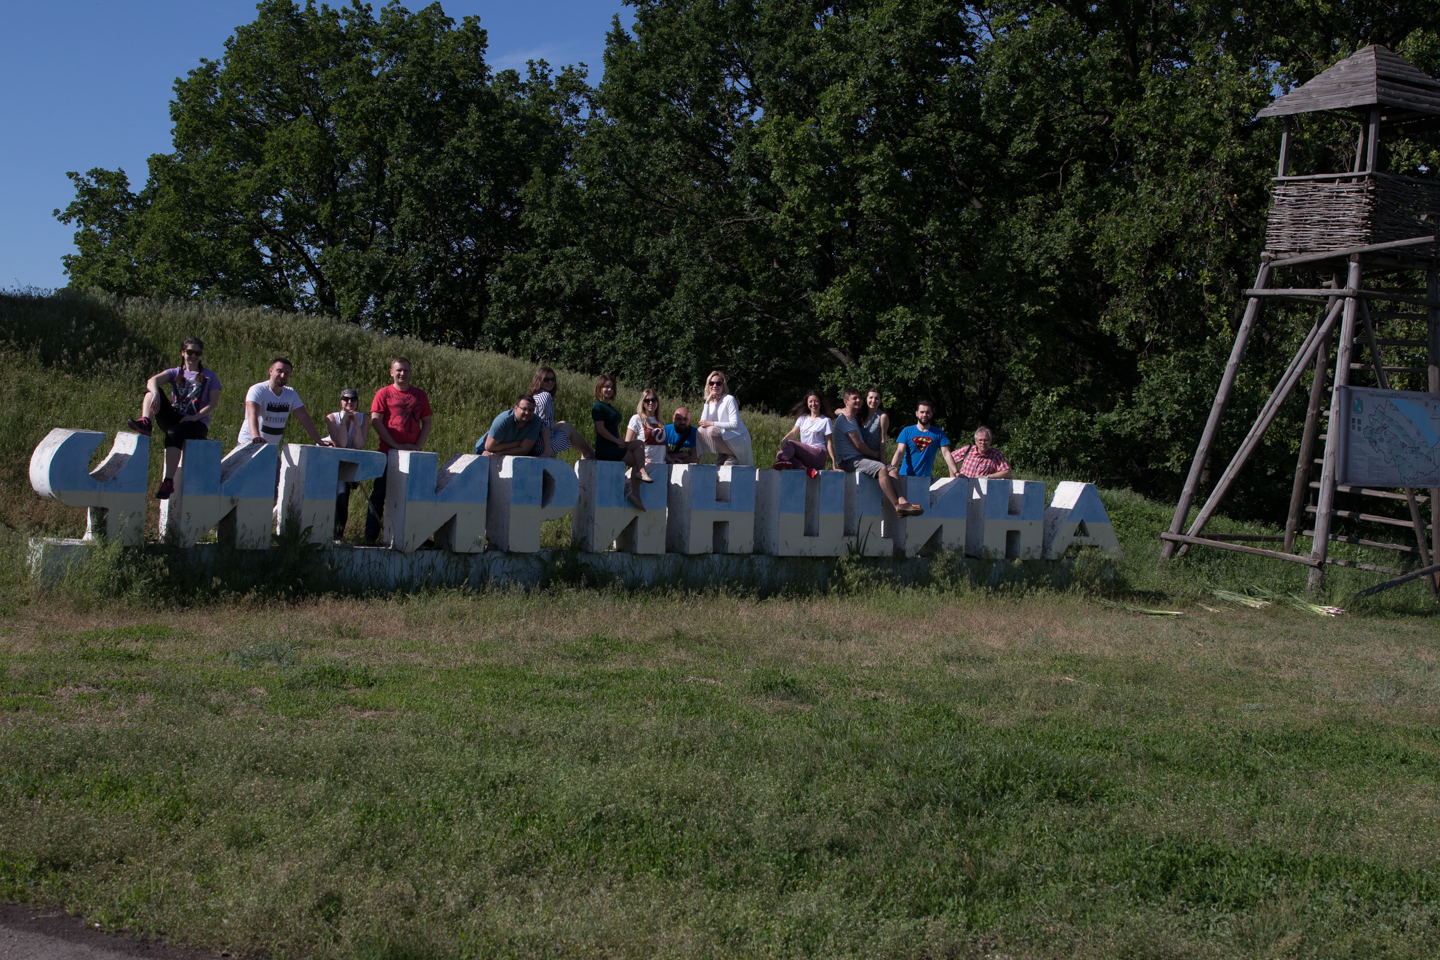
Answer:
x=362 y=569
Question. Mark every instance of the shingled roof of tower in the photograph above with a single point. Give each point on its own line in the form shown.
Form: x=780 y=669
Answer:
x=1372 y=76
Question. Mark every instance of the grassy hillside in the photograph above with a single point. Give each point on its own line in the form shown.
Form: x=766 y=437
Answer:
x=81 y=361
x=936 y=770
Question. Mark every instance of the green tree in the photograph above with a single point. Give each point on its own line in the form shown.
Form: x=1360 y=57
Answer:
x=1038 y=215
x=334 y=161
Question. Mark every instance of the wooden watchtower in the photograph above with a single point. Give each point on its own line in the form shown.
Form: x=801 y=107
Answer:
x=1374 y=234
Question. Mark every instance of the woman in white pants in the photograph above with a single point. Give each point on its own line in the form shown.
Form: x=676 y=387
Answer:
x=721 y=431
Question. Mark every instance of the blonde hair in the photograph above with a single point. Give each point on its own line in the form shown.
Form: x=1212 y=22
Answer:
x=724 y=383
x=640 y=405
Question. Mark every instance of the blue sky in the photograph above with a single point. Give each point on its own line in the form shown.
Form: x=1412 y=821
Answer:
x=87 y=83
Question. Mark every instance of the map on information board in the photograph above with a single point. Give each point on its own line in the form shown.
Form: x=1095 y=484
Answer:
x=1391 y=438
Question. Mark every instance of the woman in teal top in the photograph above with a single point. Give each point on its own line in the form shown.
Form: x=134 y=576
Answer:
x=608 y=443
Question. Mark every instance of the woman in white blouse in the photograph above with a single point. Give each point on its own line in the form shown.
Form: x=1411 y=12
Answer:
x=721 y=431
x=811 y=437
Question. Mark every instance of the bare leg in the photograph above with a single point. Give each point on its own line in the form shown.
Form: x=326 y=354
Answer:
x=887 y=487
x=635 y=456
x=577 y=440
x=892 y=476
x=147 y=406
x=636 y=463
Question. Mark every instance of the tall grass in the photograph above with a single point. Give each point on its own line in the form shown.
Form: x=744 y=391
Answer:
x=81 y=360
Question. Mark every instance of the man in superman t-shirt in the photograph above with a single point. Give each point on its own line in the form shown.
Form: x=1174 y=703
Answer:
x=916 y=446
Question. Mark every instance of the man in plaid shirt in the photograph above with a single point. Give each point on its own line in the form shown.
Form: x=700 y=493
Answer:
x=982 y=461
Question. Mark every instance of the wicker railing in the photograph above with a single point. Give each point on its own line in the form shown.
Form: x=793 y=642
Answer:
x=1339 y=211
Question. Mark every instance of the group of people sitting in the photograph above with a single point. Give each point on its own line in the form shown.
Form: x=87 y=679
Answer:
x=856 y=437
x=853 y=438
x=530 y=429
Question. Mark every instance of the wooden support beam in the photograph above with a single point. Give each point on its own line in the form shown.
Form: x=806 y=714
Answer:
x=1284 y=147
x=1326 y=506
x=1431 y=570
x=1299 y=492
x=1432 y=352
x=1318 y=334
x=1311 y=293
x=1366 y=517
x=1217 y=411
x=1366 y=366
x=1372 y=138
x=1367 y=492
x=1381 y=374
x=1357 y=565
x=1259 y=537
x=1348 y=252
x=1235 y=548
x=1360 y=542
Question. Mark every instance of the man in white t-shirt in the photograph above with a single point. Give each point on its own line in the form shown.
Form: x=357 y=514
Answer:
x=269 y=404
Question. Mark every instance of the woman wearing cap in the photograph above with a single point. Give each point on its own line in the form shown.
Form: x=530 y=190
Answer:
x=349 y=428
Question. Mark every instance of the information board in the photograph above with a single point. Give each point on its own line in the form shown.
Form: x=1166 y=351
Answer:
x=1391 y=438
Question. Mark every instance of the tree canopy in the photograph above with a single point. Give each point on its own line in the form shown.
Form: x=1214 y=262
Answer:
x=1039 y=215
x=334 y=161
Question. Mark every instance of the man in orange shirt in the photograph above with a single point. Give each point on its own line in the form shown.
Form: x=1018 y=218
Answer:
x=400 y=416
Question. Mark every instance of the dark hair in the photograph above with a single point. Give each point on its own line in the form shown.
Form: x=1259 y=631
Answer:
x=192 y=340
x=803 y=407
x=281 y=360
x=537 y=382
x=922 y=402
x=525 y=396
x=600 y=382
x=849 y=392
x=401 y=360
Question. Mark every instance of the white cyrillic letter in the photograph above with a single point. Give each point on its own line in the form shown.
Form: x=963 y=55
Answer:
x=309 y=476
x=423 y=498
x=1076 y=516
x=797 y=515
x=524 y=492
x=711 y=509
x=115 y=492
x=943 y=524
x=1007 y=519
x=603 y=514
x=236 y=494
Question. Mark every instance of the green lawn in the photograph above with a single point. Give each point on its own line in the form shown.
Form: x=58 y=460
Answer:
x=942 y=770
x=572 y=773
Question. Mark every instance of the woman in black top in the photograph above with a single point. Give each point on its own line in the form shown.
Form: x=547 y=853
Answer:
x=608 y=443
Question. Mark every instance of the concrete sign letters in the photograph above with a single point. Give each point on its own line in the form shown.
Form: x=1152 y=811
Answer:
x=424 y=499
x=114 y=493
x=470 y=503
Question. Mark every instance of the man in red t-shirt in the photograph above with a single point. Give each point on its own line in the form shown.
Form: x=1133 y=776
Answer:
x=400 y=416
